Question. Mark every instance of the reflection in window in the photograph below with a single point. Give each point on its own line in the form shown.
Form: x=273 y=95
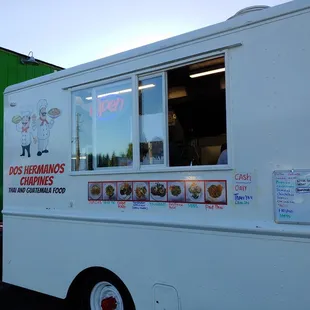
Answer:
x=102 y=127
x=82 y=151
x=113 y=135
x=151 y=120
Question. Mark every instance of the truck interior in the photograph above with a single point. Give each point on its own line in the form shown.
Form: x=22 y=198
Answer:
x=197 y=113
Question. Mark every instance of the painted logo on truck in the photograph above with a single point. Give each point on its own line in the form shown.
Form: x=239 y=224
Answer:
x=36 y=130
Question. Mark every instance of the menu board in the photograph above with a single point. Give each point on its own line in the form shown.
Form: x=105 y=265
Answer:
x=292 y=196
x=143 y=194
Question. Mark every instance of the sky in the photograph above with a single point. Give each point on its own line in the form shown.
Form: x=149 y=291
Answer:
x=72 y=32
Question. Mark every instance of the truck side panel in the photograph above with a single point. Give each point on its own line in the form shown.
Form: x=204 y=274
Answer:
x=238 y=256
x=12 y=72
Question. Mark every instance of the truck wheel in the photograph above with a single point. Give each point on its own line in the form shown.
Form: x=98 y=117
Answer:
x=102 y=293
x=105 y=296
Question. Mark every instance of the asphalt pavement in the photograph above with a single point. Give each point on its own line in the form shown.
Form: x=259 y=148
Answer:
x=15 y=298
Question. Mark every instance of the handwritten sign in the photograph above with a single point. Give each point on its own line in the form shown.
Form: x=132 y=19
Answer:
x=140 y=205
x=292 y=196
x=95 y=202
x=193 y=205
x=175 y=205
x=121 y=204
x=303 y=185
x=243 y=188
x=214 y=207
x=145 y=205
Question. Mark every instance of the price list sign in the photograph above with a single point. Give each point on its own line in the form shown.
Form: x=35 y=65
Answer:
x=292 y=196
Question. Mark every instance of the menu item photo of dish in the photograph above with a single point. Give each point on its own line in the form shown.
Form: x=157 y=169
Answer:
x=158 y=191
x=124 y=190
x=54 y=113
x=141 y=191
x=216 y=192
x=176 y=191
x=94 y=191
x=195 y=191
x=109 y=191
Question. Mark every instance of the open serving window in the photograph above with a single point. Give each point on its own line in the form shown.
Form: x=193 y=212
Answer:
x=176 y=118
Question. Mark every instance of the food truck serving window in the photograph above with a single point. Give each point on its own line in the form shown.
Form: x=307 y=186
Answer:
x=183 y=124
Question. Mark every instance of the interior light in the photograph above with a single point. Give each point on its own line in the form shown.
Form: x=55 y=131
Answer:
x=146 y=86
x=81 y=157
x=207 y=73
x=128 y=90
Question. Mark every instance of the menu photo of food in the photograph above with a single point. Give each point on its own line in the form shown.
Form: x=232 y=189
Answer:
x=124 y=190
x=94 y=191
x=141 y=191
x=176 y=191
x=195 y=191
x=216 y=192
x=54 y=113
x=109 y=190
x=158 y=191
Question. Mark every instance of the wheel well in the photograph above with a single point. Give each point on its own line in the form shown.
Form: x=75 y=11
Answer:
x=90 y=272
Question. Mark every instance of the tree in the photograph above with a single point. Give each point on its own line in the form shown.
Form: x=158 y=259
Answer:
x=113 y=160
x=89 y=161
x=105 y=160
x=129 y=152
x=100 y=160
x=108 y=160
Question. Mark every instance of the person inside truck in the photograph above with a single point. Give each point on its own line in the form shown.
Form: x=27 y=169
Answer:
x=223 y=157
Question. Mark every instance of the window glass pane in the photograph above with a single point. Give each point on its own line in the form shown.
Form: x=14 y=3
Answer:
x=113 y=125
x=102 y=128
x=82 y=151
x=151 y=120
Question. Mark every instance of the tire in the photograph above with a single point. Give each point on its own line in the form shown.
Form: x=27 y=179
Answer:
x=101 y=292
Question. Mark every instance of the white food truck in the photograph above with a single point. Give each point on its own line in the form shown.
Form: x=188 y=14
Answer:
x=172 y=176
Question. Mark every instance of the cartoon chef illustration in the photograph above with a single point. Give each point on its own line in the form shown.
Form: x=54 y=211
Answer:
x=43 y=127
x=23 y=125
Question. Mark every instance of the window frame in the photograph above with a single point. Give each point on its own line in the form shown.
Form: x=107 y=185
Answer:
x=154 y=72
